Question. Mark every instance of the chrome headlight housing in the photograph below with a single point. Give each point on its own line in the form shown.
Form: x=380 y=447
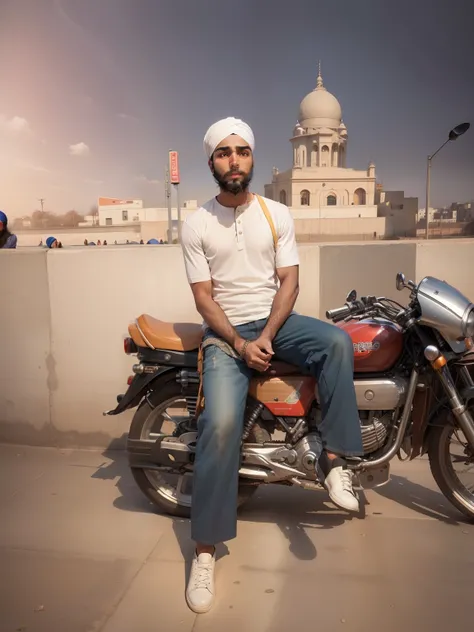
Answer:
x=468 y=324
x=445 y=309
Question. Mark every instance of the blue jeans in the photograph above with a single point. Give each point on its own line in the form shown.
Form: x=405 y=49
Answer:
x=319 y=349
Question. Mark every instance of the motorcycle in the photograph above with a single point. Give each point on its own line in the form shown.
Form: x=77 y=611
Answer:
x=413 y=383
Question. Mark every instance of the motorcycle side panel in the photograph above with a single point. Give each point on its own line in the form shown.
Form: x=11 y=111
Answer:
x=377 y=344
x=288 y=396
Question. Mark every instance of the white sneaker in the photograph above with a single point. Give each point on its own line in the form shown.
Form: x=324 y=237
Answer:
x=200 y=591
x=338 y=482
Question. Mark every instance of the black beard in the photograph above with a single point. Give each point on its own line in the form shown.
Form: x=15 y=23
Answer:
x=233 y=186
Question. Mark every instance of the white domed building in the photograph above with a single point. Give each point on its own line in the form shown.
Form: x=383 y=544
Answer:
x=319 y=184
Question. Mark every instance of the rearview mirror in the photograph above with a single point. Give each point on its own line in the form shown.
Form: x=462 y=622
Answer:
x=351 y=297
x=400 y=282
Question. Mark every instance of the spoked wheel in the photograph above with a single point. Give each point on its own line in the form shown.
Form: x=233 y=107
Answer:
x=171 y=491
x=452 y=466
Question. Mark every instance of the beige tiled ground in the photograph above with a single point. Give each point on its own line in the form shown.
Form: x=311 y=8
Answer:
x=82 y=551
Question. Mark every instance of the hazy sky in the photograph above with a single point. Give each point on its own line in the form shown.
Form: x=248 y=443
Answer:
x=93 y=93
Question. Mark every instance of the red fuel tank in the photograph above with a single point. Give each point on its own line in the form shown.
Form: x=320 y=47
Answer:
x=377 y=344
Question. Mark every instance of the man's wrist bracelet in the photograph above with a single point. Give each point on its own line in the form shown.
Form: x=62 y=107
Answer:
x=244 y=348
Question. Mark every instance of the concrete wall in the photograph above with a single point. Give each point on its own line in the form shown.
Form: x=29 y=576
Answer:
x=370 y=269
x=337 y=213
x=64 y=313
x=450 y=260
x=400 y=223
x=27 y=376
x=344 y=228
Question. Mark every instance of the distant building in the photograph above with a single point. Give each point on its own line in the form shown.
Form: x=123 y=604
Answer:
x=25 y=222
x=89 y=220
x=325 y=196
x=401 y=210
x=120 y=212
x=116 y=211
x=464 y=211
x=445 y=215
x=319 y=180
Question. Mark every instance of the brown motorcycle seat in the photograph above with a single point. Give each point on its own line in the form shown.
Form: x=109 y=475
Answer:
x=185 y=337
x=170 y=336
x=136 y=336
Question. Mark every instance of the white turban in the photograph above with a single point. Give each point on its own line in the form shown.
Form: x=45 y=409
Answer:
x=220 y=130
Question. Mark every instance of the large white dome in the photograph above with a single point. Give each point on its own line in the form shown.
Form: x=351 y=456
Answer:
x=320 y=108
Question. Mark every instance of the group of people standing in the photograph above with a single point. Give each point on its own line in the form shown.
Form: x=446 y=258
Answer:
x=9 y=240
x=128 y=242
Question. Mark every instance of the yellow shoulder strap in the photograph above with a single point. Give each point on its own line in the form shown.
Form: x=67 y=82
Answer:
x=268 y=217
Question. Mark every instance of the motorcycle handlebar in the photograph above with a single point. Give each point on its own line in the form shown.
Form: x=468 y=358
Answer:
x=365 y=305
x=356 y=307
x=339 y=313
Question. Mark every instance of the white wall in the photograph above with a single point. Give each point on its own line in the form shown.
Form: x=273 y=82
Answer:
x=27 y=368
x=453 y=263
x=333 y=212
x=149 y=214
x=341 y=228
x=64 y=313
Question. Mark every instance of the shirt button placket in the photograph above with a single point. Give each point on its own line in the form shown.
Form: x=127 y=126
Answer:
x=239 y=231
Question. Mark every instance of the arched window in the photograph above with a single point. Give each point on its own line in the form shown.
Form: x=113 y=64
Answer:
x=331 y=200
x=283 y=197
x=359 y=197
x=325 y=156
x=305 y=198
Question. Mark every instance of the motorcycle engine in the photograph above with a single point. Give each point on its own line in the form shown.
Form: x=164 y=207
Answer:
x=307 y=452
x=374 y=427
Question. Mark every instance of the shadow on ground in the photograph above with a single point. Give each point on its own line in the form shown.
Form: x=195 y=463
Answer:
x=425 y=501
x=294 y=510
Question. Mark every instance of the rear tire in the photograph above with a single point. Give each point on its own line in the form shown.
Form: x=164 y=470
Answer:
x=169 y=391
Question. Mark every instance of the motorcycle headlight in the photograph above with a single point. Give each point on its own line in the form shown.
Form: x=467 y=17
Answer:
x=469 y=324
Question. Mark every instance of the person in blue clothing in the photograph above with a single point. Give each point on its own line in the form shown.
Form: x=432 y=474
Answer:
x=52 y=242
x=7 y=239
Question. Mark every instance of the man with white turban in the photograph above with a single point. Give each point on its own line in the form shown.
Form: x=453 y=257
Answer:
x=242 y=264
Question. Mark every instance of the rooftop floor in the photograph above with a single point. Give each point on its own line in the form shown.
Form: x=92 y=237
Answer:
x=81 y=550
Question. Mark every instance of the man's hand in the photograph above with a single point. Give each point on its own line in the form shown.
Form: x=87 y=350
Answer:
x=258 y=353
x=265 y=344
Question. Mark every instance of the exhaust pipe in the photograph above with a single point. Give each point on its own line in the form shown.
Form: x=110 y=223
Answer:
x=174 y=453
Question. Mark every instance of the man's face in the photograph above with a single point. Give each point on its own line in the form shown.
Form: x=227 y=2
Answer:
x=232 y=164
x=1 y=226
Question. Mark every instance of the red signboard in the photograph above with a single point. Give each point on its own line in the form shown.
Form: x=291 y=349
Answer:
x=174 y=167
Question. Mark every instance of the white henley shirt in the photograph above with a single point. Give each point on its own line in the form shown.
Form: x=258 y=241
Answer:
x=234 y=249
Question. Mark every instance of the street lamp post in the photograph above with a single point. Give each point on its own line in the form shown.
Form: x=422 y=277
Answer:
x=457 y=131
x=41 y=201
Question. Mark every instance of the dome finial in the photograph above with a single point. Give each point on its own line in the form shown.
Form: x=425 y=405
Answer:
x=319 y=83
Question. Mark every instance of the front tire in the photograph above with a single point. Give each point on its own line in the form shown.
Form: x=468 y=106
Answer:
x=460 y=493
x=149 y=420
